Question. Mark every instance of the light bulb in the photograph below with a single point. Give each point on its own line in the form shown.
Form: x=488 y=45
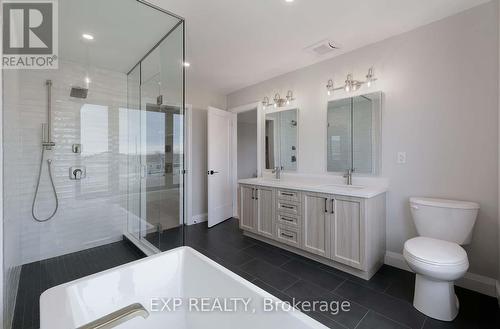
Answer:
x=369 y=83
x=329 y=93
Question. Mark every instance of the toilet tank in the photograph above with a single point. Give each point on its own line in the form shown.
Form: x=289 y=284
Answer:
x=443 y=219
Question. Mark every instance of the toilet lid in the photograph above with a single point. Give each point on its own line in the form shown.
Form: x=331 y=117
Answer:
x=434 y=251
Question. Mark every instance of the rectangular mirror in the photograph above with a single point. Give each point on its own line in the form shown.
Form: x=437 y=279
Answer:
x=354 y=134
x=280 y=143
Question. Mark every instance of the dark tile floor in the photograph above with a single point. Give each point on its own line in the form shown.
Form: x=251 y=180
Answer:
x=40 y=276
x=382 y=302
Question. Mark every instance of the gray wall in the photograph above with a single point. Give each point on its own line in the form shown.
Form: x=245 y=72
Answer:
x=441 y=107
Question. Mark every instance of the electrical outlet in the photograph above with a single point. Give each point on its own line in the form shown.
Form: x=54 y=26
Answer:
x=401 y=157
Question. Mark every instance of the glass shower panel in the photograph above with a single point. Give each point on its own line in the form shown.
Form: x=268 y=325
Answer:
x=162 y=143
x=130 y=143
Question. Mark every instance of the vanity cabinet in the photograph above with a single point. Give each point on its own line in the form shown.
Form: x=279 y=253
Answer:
x=264 y=217
x=342 y=231
x=316 y=224
x=347 y=231
x=257 y=210
x=247 y=208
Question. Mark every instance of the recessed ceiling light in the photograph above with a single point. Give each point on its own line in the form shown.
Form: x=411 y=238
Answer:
x=187 y=64
x=289 y=0
x=87 y=36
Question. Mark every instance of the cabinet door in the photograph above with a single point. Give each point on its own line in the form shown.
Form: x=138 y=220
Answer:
x=348 y=232
x=247 y=205
x=316 y=223
x=265 y=211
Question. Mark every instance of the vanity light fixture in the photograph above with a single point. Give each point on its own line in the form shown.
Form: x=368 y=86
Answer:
x=278 y=101
x=265 y=102
x=289 y=97
x=329 y=87
x=350 y=84
x=370 y=78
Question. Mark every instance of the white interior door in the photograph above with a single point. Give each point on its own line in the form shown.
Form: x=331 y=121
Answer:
x=220 y=168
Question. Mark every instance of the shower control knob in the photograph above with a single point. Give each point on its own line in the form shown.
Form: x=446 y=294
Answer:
x=77 y=173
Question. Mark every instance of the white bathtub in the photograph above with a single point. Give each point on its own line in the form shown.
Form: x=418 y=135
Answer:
x=183 y=274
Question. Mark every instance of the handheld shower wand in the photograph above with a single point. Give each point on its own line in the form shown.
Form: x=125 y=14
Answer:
x=47 y=144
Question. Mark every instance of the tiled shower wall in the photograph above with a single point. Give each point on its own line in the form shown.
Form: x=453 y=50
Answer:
x=91 y=211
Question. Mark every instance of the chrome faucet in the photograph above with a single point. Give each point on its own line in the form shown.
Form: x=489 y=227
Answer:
x=277 y=171
x=348 y=176
x=118 y=317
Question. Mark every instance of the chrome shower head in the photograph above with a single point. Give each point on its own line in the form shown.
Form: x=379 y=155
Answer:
x=79 y=92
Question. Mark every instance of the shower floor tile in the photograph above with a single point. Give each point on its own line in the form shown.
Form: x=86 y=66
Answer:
x=40 y=276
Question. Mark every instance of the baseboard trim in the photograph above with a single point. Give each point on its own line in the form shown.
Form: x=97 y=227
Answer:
x=471 y=281
x=196 y=219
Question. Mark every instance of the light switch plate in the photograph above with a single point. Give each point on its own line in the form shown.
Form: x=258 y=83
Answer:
x=401 y=157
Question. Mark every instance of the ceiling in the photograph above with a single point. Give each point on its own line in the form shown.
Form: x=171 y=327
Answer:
x=124 y=31
x=232 y=44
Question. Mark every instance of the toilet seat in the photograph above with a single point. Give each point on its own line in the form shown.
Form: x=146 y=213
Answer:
x=435 y=252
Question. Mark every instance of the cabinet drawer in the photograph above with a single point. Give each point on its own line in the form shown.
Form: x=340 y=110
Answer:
x=288 y=219
x=290 y=207
x=289 y=195
x=288 y=235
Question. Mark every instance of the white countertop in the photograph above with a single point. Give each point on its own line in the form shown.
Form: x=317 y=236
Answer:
x=320 y=186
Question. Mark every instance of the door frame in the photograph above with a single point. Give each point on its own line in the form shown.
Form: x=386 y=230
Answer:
x=260 y=117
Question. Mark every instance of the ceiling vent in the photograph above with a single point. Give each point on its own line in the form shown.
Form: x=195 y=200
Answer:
x=323 y=47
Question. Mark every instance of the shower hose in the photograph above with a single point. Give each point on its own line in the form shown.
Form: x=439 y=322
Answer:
x=49 y=164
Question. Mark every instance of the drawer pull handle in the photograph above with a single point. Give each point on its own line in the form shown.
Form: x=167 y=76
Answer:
x=287 y=207
x=287 y=219
x=287 y=235
x=287 y=194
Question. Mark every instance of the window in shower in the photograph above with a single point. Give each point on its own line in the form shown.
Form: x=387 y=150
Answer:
x=94 y=129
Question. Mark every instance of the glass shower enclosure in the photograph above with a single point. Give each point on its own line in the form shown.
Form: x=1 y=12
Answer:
x=155 y=125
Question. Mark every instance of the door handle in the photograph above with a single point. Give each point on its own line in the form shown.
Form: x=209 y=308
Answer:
x=326 y=206
x=333 y=206
x=256 y=194
x=211 y=172
x=253 y=193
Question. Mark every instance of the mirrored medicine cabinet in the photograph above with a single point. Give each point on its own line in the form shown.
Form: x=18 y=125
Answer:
x=353 y=134
x=281 y=139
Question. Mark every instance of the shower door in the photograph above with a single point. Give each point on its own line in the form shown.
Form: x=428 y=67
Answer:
x=156 y=195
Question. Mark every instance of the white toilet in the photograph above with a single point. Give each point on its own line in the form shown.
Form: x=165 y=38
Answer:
x=436 y=255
